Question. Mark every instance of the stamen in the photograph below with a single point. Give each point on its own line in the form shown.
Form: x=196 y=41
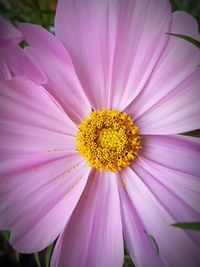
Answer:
x=108 y=139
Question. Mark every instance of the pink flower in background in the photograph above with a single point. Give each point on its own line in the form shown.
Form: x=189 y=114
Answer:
x=14 y=60
x=112 y=54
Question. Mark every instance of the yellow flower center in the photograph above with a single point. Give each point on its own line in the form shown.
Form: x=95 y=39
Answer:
x=108 y=139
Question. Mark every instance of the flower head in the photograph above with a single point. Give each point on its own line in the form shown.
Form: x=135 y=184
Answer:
x=108 y=139
x=91 y=178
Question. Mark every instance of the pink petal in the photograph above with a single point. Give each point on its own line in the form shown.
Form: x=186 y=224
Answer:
x=179 y=206
x=180 y=153
x=36 y=203
x=11 y=166
x=169 y=103
x=184 y=23
x=13 y=60
x=114 y=45
x=16 y=62
x=9 y=35
x=62 y=82
x=37 y=167
x=137 y=240
x=31 y=121
x=177 y=185
x=176 y=248
x=178 y=112
x=93 y=236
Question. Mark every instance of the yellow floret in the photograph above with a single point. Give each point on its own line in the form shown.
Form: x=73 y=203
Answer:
x=108 y=139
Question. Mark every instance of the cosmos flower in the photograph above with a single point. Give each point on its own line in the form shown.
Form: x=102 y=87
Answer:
x=14 y=61
x=92 y=154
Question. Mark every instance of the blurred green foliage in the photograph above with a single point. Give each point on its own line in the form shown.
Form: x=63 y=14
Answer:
x=190 y=6
x=42 y=12
x=33 y=11
x=195 y=226
x=10 y=258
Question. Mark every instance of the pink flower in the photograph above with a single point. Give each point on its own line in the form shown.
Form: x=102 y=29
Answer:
x=15 y=61
x=106 y=54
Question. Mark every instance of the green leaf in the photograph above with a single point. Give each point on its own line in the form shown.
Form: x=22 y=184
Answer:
x=37 y=259
x=127 y=259
x=185 y=37
x=189 y=225
x=173 y=5
x=45 y=4
x=5 y=234
x=128 y=262
x=155 y=244
x=195 y=133
x=17 y=256
x=48 y=254
x=23 y=44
